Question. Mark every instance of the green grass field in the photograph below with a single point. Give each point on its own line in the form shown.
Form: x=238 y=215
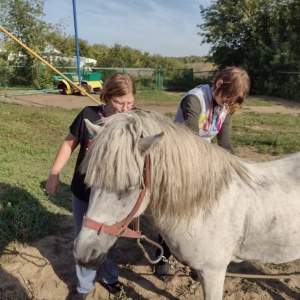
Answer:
x=274 y=134
x=31 y=136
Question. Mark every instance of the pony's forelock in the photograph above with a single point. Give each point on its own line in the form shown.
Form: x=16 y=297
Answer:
x=106 y=164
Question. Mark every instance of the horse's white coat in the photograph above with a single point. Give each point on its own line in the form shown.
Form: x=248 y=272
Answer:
x=255 y=216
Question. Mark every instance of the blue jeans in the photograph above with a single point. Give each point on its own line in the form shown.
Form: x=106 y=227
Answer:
x=107 y=271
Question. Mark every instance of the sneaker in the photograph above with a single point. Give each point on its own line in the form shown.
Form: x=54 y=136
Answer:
x=114 y=288
x=77 y=296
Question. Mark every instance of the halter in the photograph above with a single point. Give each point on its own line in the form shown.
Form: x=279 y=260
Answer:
x=121 y=229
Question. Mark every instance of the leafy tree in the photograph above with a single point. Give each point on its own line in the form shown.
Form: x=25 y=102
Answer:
x=24 y=19
x=65 y=44
x=229 y=28
x=260 y=35
x=99 y=52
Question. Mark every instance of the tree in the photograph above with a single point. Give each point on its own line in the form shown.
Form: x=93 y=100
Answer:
x=65 y=44
x=228 y=26
x=260 y=35
x=24 y=19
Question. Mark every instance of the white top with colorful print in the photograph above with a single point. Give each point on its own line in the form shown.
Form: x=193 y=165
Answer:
x=210 y=118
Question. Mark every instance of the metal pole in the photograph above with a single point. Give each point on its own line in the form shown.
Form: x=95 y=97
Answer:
x=76 y=42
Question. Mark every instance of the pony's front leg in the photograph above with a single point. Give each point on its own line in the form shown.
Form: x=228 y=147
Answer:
x=212 y=283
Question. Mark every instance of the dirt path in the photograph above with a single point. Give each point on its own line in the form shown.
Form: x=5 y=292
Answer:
x=73 y=101
x=45 y=268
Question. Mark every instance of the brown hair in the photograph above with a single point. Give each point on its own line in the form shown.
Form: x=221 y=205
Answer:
x=234 y=88
x=119 y=84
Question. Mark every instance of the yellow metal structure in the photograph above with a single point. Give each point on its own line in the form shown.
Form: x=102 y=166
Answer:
x=90 y=83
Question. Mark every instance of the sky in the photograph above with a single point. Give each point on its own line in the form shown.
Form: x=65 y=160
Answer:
x=164 y=27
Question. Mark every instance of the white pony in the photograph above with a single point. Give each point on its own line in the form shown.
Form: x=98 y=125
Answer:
x=210 y=208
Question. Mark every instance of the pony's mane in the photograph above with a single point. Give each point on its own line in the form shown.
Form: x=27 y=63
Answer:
x=187 y=172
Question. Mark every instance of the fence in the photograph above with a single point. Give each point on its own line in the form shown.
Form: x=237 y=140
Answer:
x=280 y=84
x=145 y=78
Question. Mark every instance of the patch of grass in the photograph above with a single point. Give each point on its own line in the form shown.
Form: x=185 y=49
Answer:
x=30 y=138
x=249 y=286
x=159 y=96
x=274 y=134
x=258 y=102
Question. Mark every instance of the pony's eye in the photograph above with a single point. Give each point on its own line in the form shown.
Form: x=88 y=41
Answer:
x=130 y=188
x=127 y=190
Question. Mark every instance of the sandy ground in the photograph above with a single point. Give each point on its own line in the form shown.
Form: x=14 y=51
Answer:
x=45 y=268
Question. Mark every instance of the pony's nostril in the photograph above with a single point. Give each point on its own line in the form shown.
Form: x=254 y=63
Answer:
x=93 y=254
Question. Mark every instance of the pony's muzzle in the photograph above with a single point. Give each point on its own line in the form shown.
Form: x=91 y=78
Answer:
x=92 y=264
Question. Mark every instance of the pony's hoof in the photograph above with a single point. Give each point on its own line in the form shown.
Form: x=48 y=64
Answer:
x=194 y=275
x=162 y=270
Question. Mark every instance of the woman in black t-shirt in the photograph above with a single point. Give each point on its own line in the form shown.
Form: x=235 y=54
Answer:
x=117 y=95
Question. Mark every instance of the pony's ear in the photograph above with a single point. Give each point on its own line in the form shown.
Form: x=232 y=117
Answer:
x=92 y=128
x=146 y=143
